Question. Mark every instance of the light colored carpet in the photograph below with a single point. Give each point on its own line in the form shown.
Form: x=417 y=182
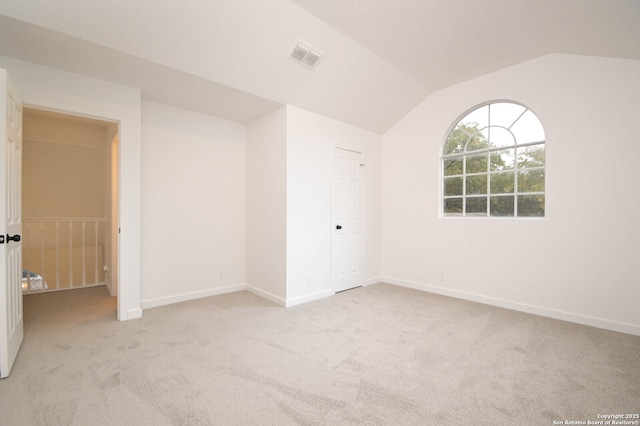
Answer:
x=375 y=355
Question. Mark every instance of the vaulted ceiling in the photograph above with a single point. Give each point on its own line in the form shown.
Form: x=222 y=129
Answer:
x=229 y=58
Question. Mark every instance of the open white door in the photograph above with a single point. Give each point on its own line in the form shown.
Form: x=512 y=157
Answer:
x=347 y=211
x=11 y=318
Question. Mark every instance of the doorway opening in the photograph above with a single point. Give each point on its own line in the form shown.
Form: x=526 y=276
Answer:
x=69 y=202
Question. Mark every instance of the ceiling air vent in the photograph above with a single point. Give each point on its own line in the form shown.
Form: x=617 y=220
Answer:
x=305 y=54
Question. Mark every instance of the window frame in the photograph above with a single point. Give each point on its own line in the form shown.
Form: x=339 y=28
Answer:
x=487 y=151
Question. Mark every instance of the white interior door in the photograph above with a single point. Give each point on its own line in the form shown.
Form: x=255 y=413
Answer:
x=347 y=211
x=11 y=318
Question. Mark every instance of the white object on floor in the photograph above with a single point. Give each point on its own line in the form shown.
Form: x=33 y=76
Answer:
x=33 y=282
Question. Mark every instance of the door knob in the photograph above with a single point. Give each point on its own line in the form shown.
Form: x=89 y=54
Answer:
x=15 y=238
x=339 y=227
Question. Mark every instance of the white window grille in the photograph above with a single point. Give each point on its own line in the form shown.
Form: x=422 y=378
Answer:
x=493 y=164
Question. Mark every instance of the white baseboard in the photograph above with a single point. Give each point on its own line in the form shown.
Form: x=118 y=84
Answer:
x=265 y=295
x=132 y=314
x=522 y=307
x=372 y=281
x=309 y=298
x=162 y=301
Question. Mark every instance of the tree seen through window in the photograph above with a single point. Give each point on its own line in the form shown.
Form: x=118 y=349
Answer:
x=493 y=164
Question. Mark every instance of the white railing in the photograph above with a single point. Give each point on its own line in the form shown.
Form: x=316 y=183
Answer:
x=62 y=253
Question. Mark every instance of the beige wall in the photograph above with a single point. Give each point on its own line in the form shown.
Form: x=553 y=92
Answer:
x=63 y=167
x=111 y=200
x=65 y=170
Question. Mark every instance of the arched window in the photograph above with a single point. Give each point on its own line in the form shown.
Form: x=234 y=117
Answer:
x=493 y=164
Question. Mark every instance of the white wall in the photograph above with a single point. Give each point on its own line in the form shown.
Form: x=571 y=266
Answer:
x=201 y=195
x=193 y=205
x=311 y=139
x=579 y=262
x=289 y=179
x=49 y=88
x=266 y=216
